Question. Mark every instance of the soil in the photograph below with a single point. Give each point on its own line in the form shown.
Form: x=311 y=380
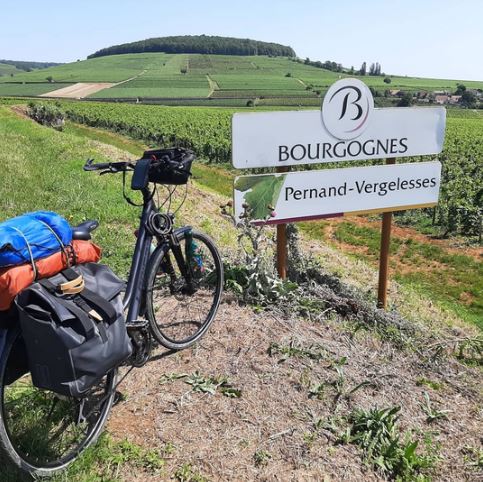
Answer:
x=79 y=90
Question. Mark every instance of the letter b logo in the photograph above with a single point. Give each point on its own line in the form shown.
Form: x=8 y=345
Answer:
x=347 y=108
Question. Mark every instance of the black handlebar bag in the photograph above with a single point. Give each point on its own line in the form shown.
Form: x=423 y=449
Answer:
x=169 y=166
x=74 y=329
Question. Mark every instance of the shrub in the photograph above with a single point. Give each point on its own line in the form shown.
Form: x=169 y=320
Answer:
x=49 y=115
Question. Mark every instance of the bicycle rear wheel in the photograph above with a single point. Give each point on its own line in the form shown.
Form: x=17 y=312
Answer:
x=42 y=433
x=181 y=310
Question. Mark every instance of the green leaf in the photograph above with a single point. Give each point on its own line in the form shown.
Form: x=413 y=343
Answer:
x=245 y=183
x=264 y=192
x=410 y=449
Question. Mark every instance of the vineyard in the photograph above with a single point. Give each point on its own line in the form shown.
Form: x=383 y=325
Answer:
x=193 y=78
x=207 y=131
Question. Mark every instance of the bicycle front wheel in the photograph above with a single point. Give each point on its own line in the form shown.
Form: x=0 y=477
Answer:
x=41 y=432
x=181 y=303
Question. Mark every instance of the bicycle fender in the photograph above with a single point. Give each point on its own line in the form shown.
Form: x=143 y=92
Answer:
x=180 y=232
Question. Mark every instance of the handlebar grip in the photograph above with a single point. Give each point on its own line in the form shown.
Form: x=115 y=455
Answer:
x=90 y=166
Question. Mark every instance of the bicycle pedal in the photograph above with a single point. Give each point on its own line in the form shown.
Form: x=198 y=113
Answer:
x=136 y=324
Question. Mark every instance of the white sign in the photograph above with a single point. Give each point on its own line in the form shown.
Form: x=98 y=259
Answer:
x=306 y=195
x=347 y=128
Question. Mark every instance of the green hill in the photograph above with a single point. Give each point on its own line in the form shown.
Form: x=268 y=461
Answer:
x=199 y=44
x=205 y=79
x=6 y=69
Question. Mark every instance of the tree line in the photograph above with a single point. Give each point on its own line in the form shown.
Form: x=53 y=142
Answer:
x=29 y=66
x=199 y=44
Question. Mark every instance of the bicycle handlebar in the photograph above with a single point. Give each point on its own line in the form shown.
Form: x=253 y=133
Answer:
x=107 y=166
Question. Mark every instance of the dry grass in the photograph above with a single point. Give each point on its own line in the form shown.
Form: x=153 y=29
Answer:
x=275 y=414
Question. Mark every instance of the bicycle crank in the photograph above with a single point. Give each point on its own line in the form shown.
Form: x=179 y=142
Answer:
x=141 y=341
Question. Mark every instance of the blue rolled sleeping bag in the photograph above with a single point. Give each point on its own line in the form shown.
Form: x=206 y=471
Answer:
x=32 y=236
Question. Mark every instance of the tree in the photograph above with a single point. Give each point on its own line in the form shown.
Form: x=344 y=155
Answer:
x=307 y=61
x=387 y=80
x=49 y=79
x=351 y=71
x=460 y=88
x=362 y=71
x=406 y=100
x=288 y=74
x=372 y=69
x=468 y=99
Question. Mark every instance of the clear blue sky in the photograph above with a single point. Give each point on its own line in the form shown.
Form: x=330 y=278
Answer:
x=427 y=38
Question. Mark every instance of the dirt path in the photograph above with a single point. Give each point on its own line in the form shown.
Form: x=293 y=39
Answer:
x=85 y=89
x=213 y=85
x=78 y=91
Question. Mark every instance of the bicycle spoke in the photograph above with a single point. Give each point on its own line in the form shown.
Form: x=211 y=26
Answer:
x=181 y=309
x=46 y=429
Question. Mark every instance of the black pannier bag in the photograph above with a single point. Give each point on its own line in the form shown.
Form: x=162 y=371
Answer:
x=169 y=166
x=74 y=329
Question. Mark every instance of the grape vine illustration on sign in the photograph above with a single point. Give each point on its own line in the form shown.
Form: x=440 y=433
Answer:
x=260 y=192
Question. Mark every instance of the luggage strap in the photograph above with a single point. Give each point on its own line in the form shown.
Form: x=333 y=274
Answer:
x=94 y=305
x=88 y=327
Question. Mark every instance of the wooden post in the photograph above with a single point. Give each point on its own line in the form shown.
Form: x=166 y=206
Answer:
x=384 y=254
x=282 y=242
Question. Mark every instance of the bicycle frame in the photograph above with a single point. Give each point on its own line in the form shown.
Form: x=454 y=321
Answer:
x=141 y=256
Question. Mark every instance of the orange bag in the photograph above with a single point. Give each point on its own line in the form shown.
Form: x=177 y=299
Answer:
x=16 y=278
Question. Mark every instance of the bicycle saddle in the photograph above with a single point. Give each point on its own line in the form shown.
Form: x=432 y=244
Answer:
x=83 y=230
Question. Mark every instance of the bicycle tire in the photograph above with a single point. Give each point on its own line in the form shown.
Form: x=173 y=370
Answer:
x=16 y=446
x=162 y=304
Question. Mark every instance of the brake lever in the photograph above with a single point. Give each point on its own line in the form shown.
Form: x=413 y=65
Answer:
x=107 y=171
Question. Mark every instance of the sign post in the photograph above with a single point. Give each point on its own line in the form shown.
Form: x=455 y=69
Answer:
x=282 y=242
x=384 y=254
x=347 y=128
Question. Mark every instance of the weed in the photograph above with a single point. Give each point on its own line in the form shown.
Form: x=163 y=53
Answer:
x=210 y=385
x=172 y=377
x=187 y=473
x=318 y=390
x=473 y=457
x=468 y=350
x=261 y=457
x=432 y=414
x=309 y=438
x=253 y=277
x=429 y=383
x=305 y=378
x=375 y=432
x=168 y=449
x=313 y=352
x=339 y=384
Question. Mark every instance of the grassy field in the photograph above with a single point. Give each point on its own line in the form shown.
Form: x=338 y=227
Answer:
x=29 y=90
x=165 y=76
x=45 y=172
x=109 y=69
x=7 y=70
